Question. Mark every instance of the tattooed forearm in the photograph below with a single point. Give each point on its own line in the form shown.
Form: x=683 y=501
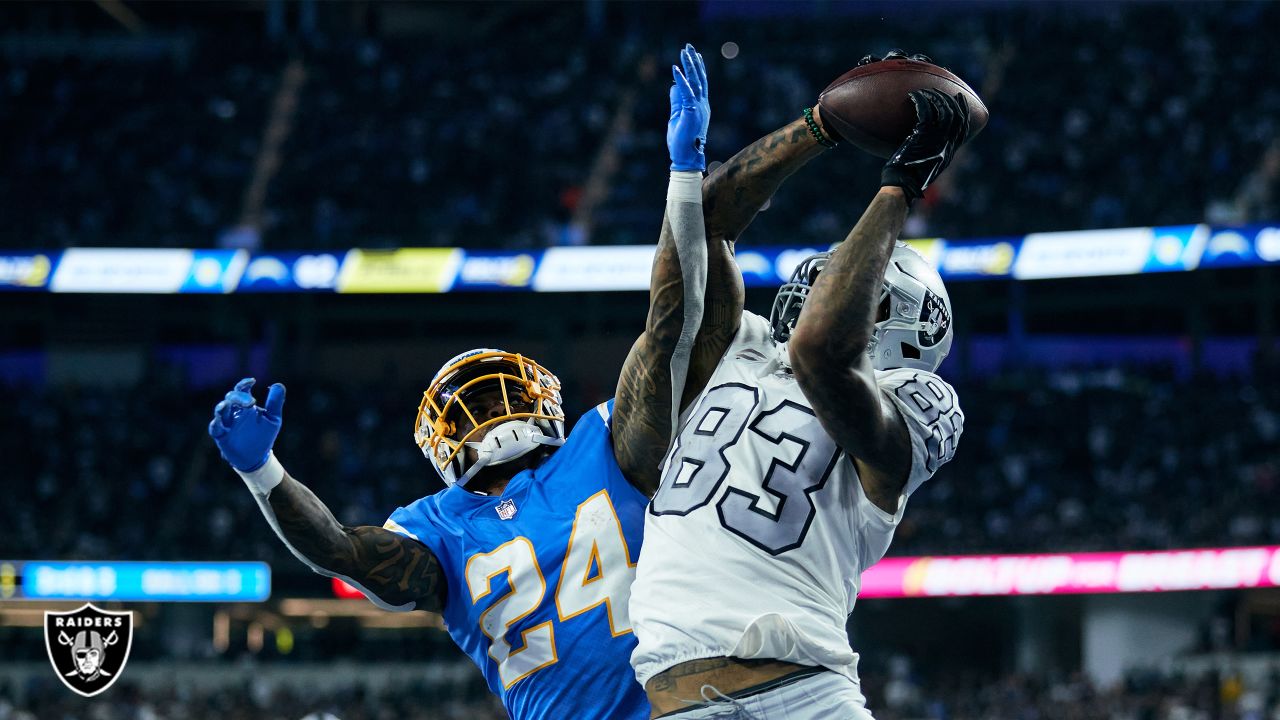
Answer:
x=829 y=352
x=840 y=311
x=397 y=569
x=735 y=192
x=642 y=404
x=642 y=417
x=732 y=195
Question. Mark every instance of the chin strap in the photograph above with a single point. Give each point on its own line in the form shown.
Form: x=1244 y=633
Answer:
x=507 y=441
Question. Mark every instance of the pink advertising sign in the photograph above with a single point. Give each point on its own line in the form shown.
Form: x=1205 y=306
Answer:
x=1056 y=574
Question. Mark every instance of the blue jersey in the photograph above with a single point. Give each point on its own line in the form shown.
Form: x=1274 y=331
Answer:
x=539 y=579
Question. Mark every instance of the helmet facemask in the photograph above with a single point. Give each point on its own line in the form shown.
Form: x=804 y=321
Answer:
x=531 y=414
x=913 y=319
x=791 y=297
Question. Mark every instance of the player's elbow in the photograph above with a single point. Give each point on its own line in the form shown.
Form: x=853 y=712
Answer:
x=840 y=386
x=823 y=338
x=811 y=360
x=820 y=365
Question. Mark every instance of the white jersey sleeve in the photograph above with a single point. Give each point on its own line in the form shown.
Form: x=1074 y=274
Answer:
x=931 y=410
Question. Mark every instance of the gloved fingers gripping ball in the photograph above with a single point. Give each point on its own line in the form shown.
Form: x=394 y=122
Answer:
x=869 y=107
x=690 y=113
x=894 y=54
x=942 y=125
x=243 y=431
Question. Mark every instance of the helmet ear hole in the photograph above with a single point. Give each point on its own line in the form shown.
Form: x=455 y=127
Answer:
x=910 y=351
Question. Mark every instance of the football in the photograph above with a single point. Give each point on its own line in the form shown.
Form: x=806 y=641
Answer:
x=868 y=106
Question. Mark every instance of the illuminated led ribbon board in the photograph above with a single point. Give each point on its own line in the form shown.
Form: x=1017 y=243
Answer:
x=135 y=581
x=1073 y=573
x=608 y=268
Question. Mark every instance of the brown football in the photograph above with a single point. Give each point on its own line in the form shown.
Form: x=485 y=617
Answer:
x=868 y=106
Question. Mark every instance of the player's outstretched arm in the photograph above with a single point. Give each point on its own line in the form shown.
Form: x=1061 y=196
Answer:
x=395 y=572
x=828 y=347
x=647 y=402
x=732 y=196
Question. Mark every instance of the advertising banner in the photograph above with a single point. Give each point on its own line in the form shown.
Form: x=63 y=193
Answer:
x=122 y=270
x=1073 y=573
x=407 y=270
x=26 y=271
x=137 y=581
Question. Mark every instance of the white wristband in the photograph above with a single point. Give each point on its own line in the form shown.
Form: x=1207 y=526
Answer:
x=263 y=480
x=685 y=186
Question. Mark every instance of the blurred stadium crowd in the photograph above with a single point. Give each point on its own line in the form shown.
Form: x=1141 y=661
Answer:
x=396 y=143
x=1065 y=461
x=1106 y=459
x=1143 y=695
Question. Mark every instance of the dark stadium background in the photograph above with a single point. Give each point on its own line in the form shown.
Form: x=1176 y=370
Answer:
x=1138 y=412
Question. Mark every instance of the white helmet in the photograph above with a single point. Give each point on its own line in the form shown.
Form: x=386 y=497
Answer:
x=913 y=320
x=532 y=414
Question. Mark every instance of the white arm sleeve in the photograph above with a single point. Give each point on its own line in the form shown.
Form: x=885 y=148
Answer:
x=684 y=212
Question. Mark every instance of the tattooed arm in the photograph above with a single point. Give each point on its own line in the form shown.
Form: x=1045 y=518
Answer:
x=732 y=196
x=398 y=571
x=642 y=413
x=393 y=571
x=646 y=405
x=829 y=345
x=829 y=352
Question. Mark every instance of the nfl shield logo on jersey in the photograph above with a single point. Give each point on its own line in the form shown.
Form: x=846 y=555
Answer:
x=88 y=647
x=506 y=509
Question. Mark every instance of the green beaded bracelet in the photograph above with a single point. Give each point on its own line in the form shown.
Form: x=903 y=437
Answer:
x=816 y=131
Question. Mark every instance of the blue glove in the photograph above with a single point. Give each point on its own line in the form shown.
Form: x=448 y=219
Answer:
x=244 y=432
x=690 y=114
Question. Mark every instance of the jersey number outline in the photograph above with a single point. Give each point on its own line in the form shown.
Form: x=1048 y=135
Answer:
x=597 y=570
x=936 y=403
x=697 y=467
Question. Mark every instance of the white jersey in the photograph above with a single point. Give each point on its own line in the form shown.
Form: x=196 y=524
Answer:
x=756 y=540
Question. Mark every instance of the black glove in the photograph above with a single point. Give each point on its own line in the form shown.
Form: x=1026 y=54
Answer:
x=894 y=54
x=942 y=125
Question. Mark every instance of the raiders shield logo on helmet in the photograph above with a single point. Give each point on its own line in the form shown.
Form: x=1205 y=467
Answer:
x=934 y=316
x=88 y=647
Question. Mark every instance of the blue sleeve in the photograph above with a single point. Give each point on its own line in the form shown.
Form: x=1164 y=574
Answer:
x=421 y=521
x=414 y=521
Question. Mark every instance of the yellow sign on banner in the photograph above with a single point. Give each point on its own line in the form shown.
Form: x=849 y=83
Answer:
x=930 y=248
x=407 y=270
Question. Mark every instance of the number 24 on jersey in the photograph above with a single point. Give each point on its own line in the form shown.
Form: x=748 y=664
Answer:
x=597 y=570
